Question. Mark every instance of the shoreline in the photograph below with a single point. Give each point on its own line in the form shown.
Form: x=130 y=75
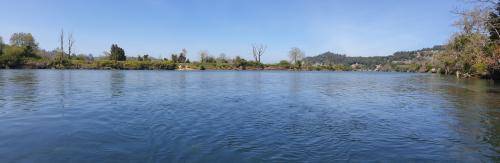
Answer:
x=475 y=77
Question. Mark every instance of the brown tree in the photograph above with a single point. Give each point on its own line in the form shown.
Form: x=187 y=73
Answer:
x=258 y=51
x=71 y=42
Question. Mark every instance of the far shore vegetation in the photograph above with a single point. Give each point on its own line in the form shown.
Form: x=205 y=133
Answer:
x=474 y=51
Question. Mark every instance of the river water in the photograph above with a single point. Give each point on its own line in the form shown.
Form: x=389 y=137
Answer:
x=245 y=116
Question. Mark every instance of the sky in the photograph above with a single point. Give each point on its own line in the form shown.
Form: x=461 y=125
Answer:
x=162 y=27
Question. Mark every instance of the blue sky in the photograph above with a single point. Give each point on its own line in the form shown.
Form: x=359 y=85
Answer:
x=162 y=27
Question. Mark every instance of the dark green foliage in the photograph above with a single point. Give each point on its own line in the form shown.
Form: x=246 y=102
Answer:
x=1 y=45
x=117 y=53
x=143 y=58
x=329 y=58
x=146 y=58
x=175 y=58
x=182 y=58
x=240 y=62
x=494 y=24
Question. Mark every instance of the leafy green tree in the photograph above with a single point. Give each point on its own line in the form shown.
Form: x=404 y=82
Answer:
x=117 y=53
x=175 y=58
x=182 y=57
x=25 y=41
x=146 y=58
x=239 y=62
x=12 y=57
x=284 y=63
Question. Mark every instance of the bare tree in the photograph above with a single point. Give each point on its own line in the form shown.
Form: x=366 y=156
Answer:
x=473 y=21
x=222 y=58
x=203 y=56
x=71 y=42
x=476 y=20
x=258 y=51
x=61 y=48
x=296 y=55
x=483 y=2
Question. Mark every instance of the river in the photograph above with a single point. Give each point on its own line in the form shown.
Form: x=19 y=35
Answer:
x=245 y=116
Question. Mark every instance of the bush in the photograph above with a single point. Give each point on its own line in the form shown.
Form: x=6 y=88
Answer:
x=480 y=68
x=108 y=64
x=163 y=65
x=12 y=57
x=284 y=64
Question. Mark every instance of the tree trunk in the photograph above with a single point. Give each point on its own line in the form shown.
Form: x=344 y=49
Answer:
x=495 y=73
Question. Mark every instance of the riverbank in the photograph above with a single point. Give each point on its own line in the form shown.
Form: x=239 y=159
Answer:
x=196 y=66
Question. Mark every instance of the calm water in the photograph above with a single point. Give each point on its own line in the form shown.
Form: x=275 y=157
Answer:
x=167 y=116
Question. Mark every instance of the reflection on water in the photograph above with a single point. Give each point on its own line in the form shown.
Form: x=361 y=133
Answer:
x=245 y=116
x=476 y=106
x=117 y=83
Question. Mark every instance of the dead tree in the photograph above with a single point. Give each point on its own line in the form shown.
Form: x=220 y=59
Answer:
x=61 y=40
x=258 y=51
x=71 y=42
x=477 y=19
x=296 y=55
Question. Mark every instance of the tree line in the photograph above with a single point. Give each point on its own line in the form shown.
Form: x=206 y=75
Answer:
x=473 y=51
x=23 y=51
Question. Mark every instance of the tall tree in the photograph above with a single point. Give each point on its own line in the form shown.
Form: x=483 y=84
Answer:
x=222 y=58
x=26 y=41
x=71 y=42
x=23 y=40
x=258 y=51
x=117 y=53
x=1 y=45
x=182 y=57
x=175 y=58
x=203 y=56
x=61 y=54
x=296 y=55
x=239 y=62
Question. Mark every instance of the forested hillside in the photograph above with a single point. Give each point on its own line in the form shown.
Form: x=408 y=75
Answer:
x=370 y=63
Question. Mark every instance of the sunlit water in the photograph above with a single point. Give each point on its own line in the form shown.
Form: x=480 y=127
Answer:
x=245 y=116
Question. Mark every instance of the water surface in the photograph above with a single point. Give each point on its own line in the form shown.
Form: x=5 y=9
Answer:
x=245 y=116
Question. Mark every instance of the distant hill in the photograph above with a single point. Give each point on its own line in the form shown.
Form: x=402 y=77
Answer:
x=330 y=58
x=408 y=55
